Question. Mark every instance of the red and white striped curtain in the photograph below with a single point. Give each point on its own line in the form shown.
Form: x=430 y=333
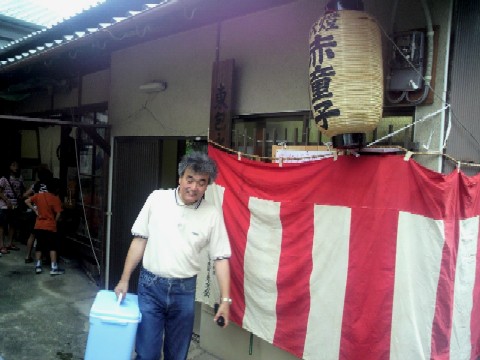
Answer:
x=369 y=257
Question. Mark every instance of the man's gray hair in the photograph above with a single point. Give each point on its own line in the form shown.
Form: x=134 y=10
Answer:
x=198 y=162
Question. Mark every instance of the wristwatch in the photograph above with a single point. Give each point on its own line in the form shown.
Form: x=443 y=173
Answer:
x=225 y=299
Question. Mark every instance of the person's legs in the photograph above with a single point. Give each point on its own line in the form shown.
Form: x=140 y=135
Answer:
x=55 y=270
x=53 y=246
x=28 y=256
x=152 y=296
x=180 y=317
x=3 y=227
x=11 y=232
x=3 y=249
x=12 y=229
x=40 y=235
x=53 y=258
x=38 y=262
x=32 y=217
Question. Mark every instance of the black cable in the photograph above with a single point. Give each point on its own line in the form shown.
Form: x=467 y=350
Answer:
x=397 y=100
x=421 y=98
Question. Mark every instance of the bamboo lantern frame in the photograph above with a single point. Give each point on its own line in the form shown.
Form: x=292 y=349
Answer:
x=346 y=73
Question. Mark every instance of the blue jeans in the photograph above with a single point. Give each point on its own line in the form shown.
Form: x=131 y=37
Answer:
x=168 y=309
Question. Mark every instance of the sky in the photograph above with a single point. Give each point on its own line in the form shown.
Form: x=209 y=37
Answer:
x=44 y=12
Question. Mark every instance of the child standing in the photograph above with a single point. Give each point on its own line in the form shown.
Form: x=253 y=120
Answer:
x=44 y=176
x=48 y=209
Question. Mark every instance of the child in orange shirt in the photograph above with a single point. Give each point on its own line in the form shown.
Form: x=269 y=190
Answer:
x=48 y=209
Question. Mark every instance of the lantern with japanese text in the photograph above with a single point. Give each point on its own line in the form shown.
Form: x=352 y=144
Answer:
x=346 y=75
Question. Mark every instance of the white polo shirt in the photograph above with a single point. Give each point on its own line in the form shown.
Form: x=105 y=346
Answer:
x=176 y=234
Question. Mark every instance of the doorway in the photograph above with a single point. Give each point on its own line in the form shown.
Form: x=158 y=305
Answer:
x=140 y=165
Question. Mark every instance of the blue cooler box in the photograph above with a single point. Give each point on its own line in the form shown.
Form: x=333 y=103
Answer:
x=113 y=327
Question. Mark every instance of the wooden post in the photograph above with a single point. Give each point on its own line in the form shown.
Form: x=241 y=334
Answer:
x=390 y=130
x=245 y=141
x=221 y=102
x=264 y=142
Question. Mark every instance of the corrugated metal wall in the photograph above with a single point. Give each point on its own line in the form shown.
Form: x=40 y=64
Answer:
x=463 y=143
x=136 y=173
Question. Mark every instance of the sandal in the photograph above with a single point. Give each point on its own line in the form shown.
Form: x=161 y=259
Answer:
x=4 y=251
x=13 y=247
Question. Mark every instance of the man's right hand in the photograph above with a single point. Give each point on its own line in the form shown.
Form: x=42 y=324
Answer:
x=121 y=289
x=134 y=256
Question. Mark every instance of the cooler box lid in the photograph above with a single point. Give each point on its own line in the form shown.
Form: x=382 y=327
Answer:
x=106 y=307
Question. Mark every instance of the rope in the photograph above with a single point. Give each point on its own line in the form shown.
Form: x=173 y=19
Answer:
x=428 y=116
x=335 y=152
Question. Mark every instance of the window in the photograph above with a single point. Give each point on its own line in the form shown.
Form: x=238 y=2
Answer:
x=255 y=134
x=87 y=177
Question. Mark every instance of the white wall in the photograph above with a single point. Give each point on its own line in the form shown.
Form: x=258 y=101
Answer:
x=96 y=87
x=271 y=52
x=270 y=49
x=49 y=141
x=185 y=62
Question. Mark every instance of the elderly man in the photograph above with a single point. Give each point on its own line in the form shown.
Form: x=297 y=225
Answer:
x=168 y=235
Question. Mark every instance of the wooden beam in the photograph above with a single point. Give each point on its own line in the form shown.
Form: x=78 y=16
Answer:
x=52 y=122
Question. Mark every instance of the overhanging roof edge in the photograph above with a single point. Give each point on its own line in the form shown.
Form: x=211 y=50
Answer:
x=53 y=122
x=104 y=33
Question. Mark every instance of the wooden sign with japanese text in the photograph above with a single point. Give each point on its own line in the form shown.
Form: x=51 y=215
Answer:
x=221 y=102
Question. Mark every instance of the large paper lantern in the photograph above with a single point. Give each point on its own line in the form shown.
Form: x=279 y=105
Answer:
x=346 y=76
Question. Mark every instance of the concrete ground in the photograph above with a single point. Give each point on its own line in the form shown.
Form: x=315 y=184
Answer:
x=47 y=318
